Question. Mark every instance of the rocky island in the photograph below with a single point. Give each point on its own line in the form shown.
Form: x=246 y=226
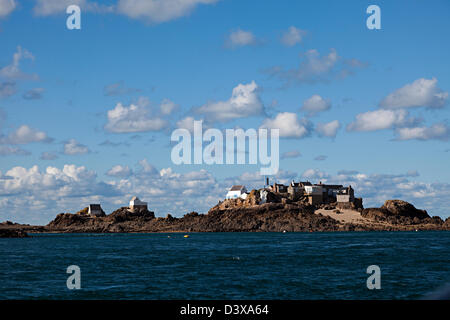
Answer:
x=264 y=210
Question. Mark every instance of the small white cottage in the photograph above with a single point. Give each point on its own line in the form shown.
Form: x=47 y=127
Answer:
x=135 y=203
x=237 y=191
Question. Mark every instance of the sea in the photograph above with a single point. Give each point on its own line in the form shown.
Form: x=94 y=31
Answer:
x=226 y=265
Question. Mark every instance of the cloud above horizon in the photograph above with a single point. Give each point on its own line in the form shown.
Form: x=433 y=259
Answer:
x=133 y=118
x=6 y=7
x=380 y=120
x=292 y=36
x=289 y=125
x=45 y=8
x=31 y=195
x=240 y=38
x=244 y=102
x=315 y=68
x=315 y=104
x=24 y=135
x=149 y=11
x=158 y=11
x=328 y=129
x=12 y=71
x=420 y=93
x=73 y=147
x=438 y=131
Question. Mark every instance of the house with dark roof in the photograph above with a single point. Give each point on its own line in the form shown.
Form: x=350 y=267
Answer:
x=280 y=188
x=345 y=195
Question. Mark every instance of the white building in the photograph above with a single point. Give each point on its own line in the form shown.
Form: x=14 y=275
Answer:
x=237 y=192
x=135 y=203
x=95 y=210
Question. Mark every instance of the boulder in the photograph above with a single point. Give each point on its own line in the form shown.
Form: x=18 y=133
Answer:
x=8 y=233
x=404 y=209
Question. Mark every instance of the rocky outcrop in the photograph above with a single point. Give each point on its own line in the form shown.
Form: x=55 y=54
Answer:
x=446 y=224
x=9 y=229
x=121 y=220
x=400 y=212
x=404 y=209
x=246 y=216
x=221 y=218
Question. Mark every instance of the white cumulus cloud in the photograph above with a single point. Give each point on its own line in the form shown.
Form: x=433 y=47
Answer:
x=25 y=134
x=328 y=129
x=119 y=171
x=315 y=104
x=157 y=11
x=134 y=118
x=186 y=123
x=52 y=7
x=379 y=120
x=314 y=68
x=12 y=71
x=438 y=131
x=6 y=7
x=292 y=36
x=244 y=102
x=167 y=107
x=289 y=124
x=73 y=147
x=421 y=93
x=240 y=38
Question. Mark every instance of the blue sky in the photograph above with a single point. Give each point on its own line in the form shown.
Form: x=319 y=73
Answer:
x=364 y=107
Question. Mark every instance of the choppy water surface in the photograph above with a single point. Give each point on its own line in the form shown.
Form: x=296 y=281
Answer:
x=225 y=265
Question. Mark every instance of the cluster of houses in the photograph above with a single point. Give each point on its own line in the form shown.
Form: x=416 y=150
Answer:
x=316 y=194
x=95 y=210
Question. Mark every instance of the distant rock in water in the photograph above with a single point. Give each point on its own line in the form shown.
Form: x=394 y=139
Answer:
x=11 y=233
x=121 y=220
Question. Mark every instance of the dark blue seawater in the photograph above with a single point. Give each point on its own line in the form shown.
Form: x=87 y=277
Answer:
x=225 y=265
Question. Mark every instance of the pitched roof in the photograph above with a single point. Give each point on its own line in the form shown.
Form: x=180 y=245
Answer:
x=236 y=188
x=95 y=207
x=330 y=186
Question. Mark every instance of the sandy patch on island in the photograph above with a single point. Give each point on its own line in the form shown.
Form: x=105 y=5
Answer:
x=346 y=216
